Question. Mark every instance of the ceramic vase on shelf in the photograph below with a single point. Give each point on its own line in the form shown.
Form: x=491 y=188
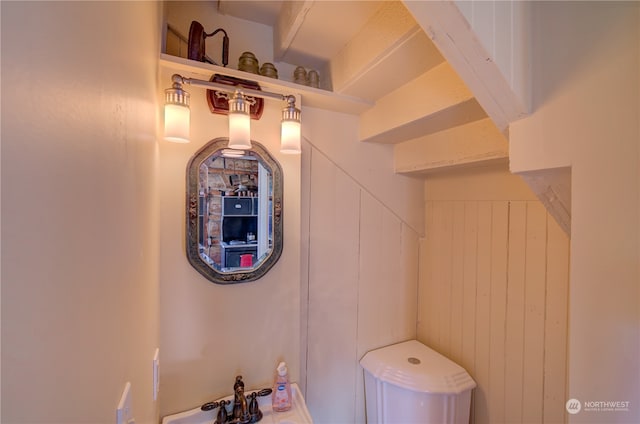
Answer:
x=313 y=79
x=248 y=63
x=300 y=75
x=268 y=70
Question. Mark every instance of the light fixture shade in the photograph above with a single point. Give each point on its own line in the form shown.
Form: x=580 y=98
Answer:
x=290 y=129
x=239 y=123
x=290 y=137
x=176 y=114
x=176 y=123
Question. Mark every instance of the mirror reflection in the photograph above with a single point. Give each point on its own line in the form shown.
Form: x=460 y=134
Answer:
x=234 y=228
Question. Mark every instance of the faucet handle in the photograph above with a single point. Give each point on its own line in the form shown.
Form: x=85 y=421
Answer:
x=209 y=406
x=222 y=413
x=263 y=392
x=253 y=404
x=254 y=410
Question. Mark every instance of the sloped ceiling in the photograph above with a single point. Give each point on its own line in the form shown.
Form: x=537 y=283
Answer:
x=357 y=42
x=377 y=51
x=333 y=23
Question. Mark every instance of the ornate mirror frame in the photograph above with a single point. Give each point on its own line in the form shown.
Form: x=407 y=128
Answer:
x=192 y=209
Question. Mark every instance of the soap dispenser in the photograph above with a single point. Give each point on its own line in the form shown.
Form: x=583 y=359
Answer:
x=281 y=396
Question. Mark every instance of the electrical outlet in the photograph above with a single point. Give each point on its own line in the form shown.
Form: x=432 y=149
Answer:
x=124 y=413
x=156 y=374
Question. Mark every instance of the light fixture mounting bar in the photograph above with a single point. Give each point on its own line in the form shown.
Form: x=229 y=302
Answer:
x=240 y=101
x=229 y=89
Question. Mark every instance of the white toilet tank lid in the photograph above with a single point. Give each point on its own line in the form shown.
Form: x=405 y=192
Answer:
x=414 y=366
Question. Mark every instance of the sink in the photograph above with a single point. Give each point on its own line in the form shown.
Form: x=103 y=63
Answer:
x=298 y=414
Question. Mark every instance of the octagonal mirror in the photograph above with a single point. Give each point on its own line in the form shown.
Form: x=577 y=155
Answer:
x=234 y=212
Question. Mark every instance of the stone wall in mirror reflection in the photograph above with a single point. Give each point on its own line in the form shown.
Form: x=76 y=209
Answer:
x=220 y=178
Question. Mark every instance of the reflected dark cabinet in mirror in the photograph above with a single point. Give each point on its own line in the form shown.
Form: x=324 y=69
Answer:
x=234 y=212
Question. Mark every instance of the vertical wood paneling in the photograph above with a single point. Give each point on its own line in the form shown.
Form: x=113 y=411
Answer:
x=380 y=250
x=409 y=274
x=443 y=277
x=498 y=352
x=515 y=312
x=555 y=332
x=305 y=199
x=457 y=282
x=483 y=313
x=428 y=322
x=505 y=307
x=333 y=269
x=386 y=310
x=535 y=270
x=363 y=281
x=470 y=295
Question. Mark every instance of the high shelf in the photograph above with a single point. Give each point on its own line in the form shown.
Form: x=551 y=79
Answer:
x=312 y=97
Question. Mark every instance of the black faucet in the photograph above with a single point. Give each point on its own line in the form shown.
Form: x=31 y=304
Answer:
x=240 y=408
x=243 y=412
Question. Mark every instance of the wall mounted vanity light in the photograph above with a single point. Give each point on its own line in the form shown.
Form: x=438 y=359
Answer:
x=239 y=122
x=177 y=116
x=290 y=127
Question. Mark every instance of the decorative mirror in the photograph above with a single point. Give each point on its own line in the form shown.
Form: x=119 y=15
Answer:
x=234 y=212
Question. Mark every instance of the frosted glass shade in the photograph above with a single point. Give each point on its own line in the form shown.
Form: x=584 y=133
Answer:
x=176 y=123
x=239 y=131
x=290 y=137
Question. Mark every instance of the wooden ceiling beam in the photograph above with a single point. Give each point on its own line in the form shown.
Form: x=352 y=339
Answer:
x=454 y=36
x=290 y=20
x=430 y=103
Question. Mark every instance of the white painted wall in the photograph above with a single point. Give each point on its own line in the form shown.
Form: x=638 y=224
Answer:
x=79 y=210
x=209 y=332
x=586 y=92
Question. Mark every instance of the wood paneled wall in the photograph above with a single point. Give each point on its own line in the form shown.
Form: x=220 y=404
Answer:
x=493 y=296
x=362 y=284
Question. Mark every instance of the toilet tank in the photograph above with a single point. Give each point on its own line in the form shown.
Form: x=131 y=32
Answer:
x=411 y=383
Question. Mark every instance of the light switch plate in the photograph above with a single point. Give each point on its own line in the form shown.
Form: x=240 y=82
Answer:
x=124 y=413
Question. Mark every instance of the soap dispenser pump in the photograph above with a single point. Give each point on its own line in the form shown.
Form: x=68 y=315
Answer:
x=281 y=396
